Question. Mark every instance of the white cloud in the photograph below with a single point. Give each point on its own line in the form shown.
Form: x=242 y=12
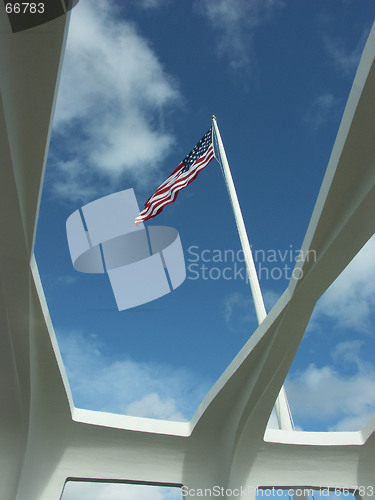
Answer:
x=236 y=21
x=324 y=396
x=102 y=491
x=353 y=422
x=151 y=4
x=66 y=280
x=72 y=181
x=350 y=300
x=238 y=307
x=113 y=97
x=348 y=352
x=329 y=394
x=321 y=110
x=270 y=298
x=125 y=386
x=152 y=406
x=345 y=60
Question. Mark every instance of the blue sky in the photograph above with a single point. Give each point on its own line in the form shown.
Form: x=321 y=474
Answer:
x=140 y=81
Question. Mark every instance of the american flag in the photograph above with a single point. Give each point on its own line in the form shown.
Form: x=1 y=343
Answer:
x=185 y=173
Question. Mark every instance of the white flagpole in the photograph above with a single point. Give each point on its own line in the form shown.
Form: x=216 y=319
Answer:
x=282 y=406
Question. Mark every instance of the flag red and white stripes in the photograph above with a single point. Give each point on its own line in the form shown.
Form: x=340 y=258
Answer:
x=183 y=175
